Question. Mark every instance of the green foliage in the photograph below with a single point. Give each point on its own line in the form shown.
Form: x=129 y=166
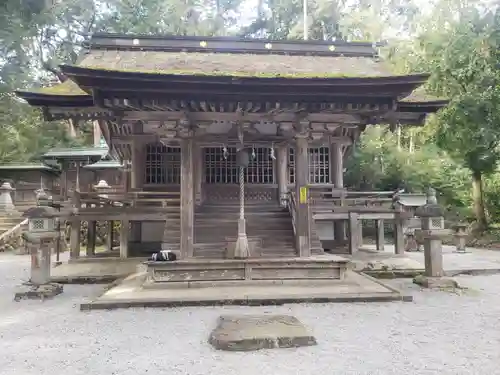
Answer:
x=464 y=65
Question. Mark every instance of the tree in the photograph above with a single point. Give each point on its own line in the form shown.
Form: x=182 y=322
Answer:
x=464 y=63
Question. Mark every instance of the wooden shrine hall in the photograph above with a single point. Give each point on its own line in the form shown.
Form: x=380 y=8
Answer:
x=226 y=139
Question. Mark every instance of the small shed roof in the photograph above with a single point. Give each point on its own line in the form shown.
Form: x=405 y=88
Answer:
x=104 y=164
x=27 y=167
x=76 y=153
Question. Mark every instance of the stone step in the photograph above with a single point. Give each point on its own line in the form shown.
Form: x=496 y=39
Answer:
x=283 y=268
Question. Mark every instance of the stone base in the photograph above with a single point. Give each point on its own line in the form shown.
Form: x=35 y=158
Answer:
x=31 y=291
x=254 y=332
x=435 y=282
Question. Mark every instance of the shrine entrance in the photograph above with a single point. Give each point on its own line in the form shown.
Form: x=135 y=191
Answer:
x=221 y=175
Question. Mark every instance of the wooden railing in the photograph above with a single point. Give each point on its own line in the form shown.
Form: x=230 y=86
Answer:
x=116 y=196
x=326 y=196
x=292 y=208
x=14 y=232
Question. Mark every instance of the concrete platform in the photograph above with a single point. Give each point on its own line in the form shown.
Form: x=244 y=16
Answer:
x=94 y=270
x=354 y=288
x=387 y=264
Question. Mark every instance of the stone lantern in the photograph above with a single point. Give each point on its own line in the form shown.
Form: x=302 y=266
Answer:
x=6 y=203
x=432 y=235
x=40 y=237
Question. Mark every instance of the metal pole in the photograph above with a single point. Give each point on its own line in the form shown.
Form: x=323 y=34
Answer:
x=306 y=28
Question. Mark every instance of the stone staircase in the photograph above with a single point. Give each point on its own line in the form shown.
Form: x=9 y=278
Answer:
x=266 y=223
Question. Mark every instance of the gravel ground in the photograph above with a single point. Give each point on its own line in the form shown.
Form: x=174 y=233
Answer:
x=440 y=333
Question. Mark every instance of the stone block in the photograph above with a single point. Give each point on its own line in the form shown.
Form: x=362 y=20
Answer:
x=436 y=282
x=254 y=332
x=42 y=292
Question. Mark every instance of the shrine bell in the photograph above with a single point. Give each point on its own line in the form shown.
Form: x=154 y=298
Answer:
x=242 y=158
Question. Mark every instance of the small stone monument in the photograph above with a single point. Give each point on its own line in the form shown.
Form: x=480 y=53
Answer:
x=40 y=238
x=460 y=237
x=6 y=203
x=432 y=235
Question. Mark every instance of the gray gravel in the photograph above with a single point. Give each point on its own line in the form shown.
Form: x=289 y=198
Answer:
x=440 y=333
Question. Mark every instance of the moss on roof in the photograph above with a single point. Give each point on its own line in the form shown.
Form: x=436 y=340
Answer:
x=420 y=95
x=68 y=88
x=237 y=65
x=26 y=167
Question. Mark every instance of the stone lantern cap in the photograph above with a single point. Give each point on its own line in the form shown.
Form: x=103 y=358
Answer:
x=431 y=208
x=7 y=187
x=41 y=212
x=102 y=184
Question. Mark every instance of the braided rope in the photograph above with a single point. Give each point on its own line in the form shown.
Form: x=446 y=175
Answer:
x=242 y=193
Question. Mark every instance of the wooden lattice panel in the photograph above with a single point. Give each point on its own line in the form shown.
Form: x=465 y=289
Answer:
x=227 y=193
x=319 y=165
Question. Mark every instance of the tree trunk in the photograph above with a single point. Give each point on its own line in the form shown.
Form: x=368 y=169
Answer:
x=477 y=198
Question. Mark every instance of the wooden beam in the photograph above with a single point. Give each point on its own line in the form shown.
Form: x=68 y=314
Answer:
x=130 y=139
x=197 y=117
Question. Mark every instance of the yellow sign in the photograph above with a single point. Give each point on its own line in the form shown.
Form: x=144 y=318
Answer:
x=303 y=195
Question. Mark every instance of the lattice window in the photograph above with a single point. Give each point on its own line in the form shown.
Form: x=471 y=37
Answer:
x=38 y=224
x=219 y=170
x=319 y=165
x=163 y=164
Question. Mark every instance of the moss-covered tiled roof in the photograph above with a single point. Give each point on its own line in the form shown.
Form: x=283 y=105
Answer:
x=67 y=88
x=420 y=95
x=238 y=65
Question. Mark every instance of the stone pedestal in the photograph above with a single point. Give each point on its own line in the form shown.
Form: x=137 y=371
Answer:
x=460 y=237
x=39 y=285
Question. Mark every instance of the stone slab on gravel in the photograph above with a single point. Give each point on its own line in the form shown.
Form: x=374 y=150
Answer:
x=436 y=282
x=254 y=332
x=42 y=292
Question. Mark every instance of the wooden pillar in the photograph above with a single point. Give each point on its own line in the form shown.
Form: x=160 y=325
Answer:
x=399 y=240
x=136 y=182
x=63 y=181
x=91 y=237
x=110 y=234
x=353 y=232
x=198 y=173
x=337 y=165
x=74 y=239
x=97 y=134
x=124 y=233
x=379 y=227
x=281 y=166
x=77 y=187
x=337 y=178
x=360 y=233
x=187 y=201
x=302 y=214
